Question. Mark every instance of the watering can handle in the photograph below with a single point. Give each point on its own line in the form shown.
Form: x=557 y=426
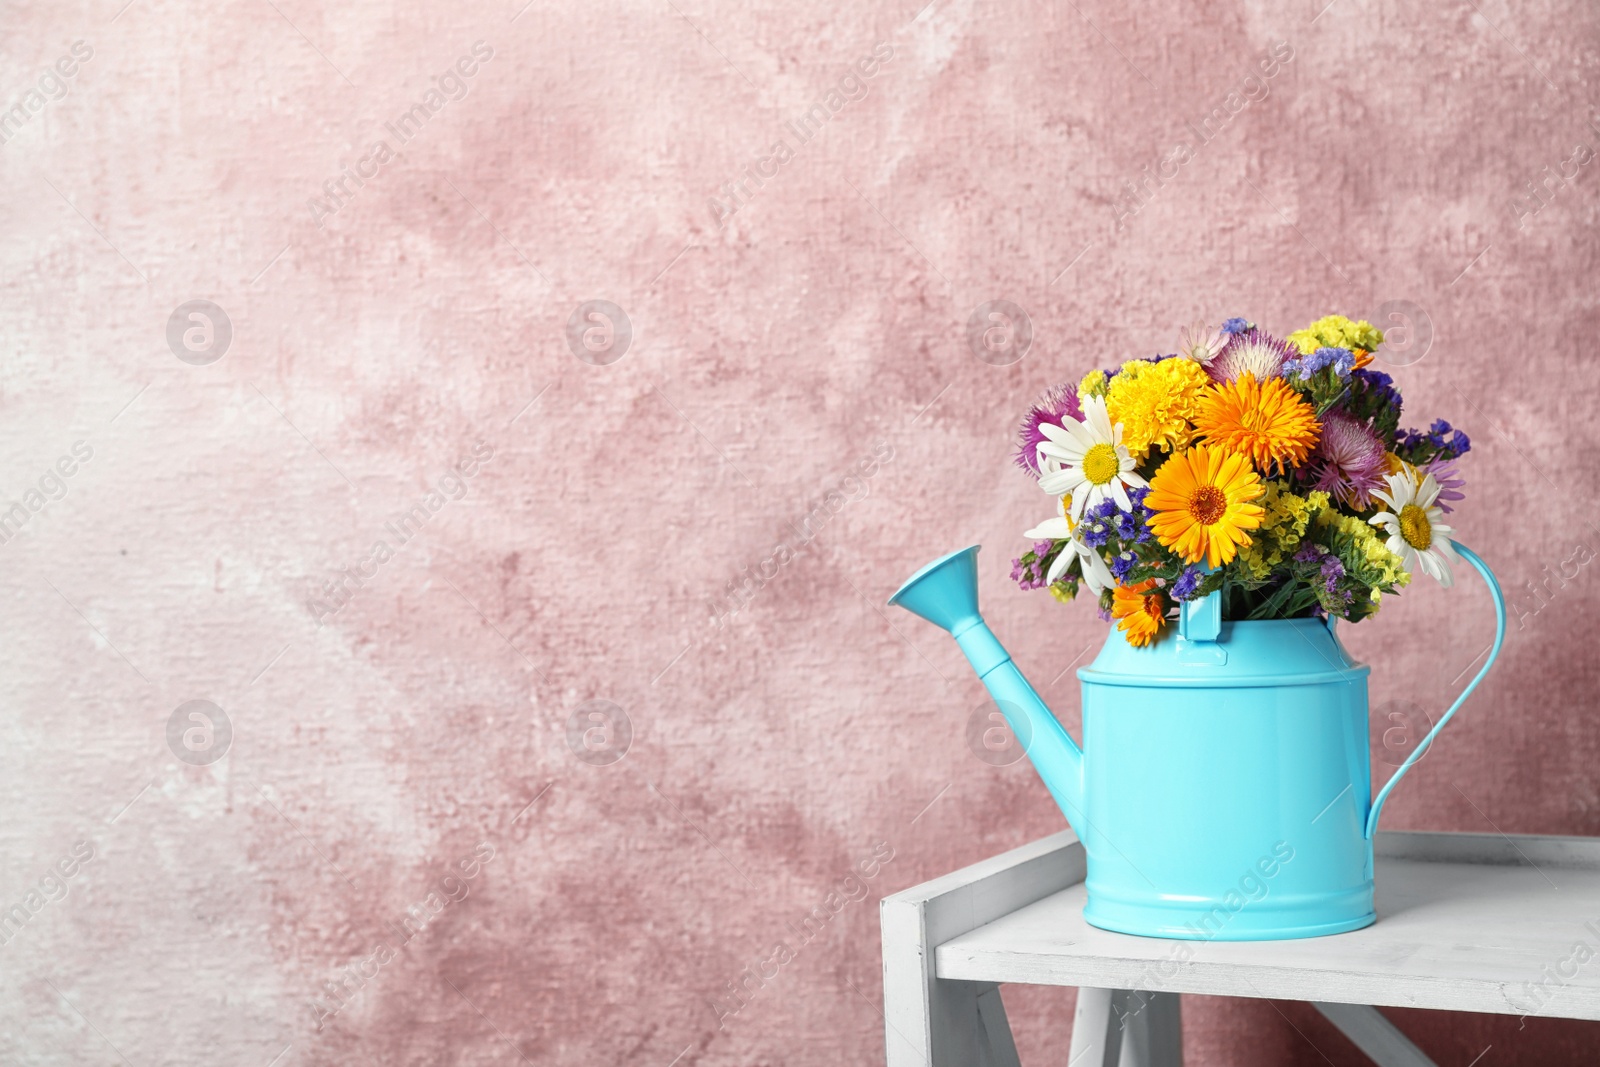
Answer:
x=1494 y=651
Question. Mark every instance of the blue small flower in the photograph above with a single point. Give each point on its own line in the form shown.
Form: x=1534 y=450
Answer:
x=1096 y=535
x=1439 y=428
x=1460 y=444
x=1136 y=496
x=1236 y=326
x=1127 y=526
x=1380 y=385
x=1103 y=510
x=1122 y=564
x=1344 y=364
x=1187 y=583
x=1328 y=357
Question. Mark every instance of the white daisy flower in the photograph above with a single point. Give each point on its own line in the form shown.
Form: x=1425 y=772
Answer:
x=1087 y=460
x=1096 y=575
x=1413 y=522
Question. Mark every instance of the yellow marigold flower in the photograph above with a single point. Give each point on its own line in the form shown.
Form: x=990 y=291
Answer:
x=1336 y=331
x=1266 y=421
x=1202 y=504
x=1093 y=384
x=1141 y=611
x=1156 y=402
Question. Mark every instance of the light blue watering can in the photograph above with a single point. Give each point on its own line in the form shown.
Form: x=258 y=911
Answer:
x=1222 y=791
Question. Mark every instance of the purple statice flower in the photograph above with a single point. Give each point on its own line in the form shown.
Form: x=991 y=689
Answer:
x=1128 y=526
x=1345 y=363
x=1309 y=553
x=1460 y=443
x=1332 y=571
x=1095 y=532
x=1446 y=473
x=1136 y=495
x=1121 y=565
x=1057 y=404
x=1031 y=575
x=1378 y=384
x=1187 y=583
x=1259 y=353
x=1349 y=461
x=1235 y=326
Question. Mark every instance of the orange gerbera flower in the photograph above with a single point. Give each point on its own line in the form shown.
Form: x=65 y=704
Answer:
x=1266 y=421
x=1141 y=611
x=1201 y=499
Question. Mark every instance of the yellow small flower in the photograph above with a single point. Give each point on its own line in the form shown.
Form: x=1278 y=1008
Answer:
x=1093 y=384
x=1336 y=331
x=1284 y=526
x=1156 y=403
x=1389 y=566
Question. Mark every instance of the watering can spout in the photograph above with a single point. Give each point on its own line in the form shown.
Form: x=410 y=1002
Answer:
x=945 y=592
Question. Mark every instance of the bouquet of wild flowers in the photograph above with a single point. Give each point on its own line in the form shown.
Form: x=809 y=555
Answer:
x=1273 y=471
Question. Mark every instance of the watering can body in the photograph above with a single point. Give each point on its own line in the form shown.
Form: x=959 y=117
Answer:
x=1226 y=785
x=1224 y=789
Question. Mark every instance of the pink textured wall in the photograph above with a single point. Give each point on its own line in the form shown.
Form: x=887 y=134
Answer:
x=412 y=332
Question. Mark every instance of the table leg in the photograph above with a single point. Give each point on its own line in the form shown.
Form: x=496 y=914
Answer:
x=996 y=1030
x=1383 y=1043
x=967 y=1027
x=1126 y=1028
x=935 y=1022
x=1097 y=1027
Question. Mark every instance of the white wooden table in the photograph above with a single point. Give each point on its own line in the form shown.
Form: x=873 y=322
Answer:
x=1466 y=922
